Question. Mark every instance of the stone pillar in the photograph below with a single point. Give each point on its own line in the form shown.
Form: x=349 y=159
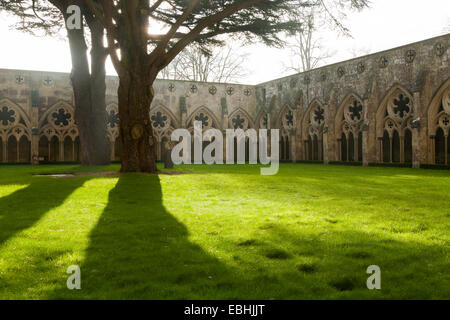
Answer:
x=61 y=151
x=356 y=148
x=380 y=149
x=324 y=144
x=415 y=148
x=112 y=149
x=339 y=147
x=390 y=149
x=402 y=149
x=365 y=144
x=5 y=150
x=446 y=149
x=292 y=142
x=433 y=149
x=35 y=130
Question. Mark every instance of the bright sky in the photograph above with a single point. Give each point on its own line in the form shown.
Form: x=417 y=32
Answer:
x=387 y=24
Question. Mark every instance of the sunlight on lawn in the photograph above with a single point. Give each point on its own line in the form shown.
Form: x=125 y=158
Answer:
x=225 y=232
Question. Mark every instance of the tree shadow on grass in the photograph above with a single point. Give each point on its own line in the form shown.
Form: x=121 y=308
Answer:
x=138 y=250
x=25 y=207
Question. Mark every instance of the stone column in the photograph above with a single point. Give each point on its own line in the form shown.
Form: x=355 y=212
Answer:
x=324 y=148
x=339 y=146
x=356 y=148
x=365 y=144
x=402 y=149
x=61 y=151
x=380 y=149
x=5 y=150
x=112 y=149
x=390 y=149
x=433 y=149
x=446 y=149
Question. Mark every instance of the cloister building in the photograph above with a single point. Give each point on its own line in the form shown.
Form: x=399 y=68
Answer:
x=391 y=106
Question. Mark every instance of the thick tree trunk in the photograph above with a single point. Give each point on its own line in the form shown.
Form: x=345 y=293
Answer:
x=138 y=151
x=89 y=95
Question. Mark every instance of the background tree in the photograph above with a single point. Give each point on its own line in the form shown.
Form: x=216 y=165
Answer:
x=223 y=64
x=88 y=79
x=307 y=46
x=139 y=52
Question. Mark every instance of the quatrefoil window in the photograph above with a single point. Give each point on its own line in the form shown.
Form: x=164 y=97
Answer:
x=203 y=118
x=61 y=117
x=113 y=119
x=159 y=120
x=355 y=111
x=238 y=122
x=7 y=116
x=402 y=106
x=319 y=115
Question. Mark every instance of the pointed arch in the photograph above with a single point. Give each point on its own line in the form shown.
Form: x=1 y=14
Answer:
x=434 y=108
x=262 y=120
x=247 y=123
x=387 y=108
x=19 y=116
x=341 y=117
x=208 y=117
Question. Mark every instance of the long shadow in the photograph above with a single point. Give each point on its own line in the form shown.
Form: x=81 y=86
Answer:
x=23 y=208
x=138 y=250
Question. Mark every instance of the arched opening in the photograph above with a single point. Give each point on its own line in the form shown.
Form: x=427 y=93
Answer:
x=315 y=148
x=44 y=149
x=12 y=149
x=351 y=147
x=408 y=146
x=343 y=147
x=287 y=149
x=310 y=149
x=76 y=148
x=54 y=149
x=68 y=149
x=24 y=150
x=360 y=147
x=439 y=145
x=117 y=149
x=395 y=147
x=282 y=148
x=386 y=147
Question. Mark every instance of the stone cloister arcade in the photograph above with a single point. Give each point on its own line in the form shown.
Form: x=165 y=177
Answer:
x=389 y=107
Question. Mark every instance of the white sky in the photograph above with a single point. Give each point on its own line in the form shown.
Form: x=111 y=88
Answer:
x=387 y=24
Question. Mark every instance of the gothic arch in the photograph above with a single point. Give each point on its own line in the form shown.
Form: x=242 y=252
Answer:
x=206 y=116
x=349 y=123
x=439 y=125
x=163 y=123
x=287 y=123
x=313 y=126
x=263 y=120
x=393 y=124
x=58 y=136
x=240 y=119
x=15 y=133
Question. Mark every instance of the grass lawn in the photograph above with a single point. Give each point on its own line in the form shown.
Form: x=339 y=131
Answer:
x=225 y=232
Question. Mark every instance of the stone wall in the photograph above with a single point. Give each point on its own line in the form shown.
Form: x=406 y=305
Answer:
x=392 y=106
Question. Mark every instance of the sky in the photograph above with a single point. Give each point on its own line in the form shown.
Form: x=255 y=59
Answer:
x=386 y=24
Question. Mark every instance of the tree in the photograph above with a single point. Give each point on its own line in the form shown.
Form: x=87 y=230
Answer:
x=307 y=46
x=223 y=64
x=130 y=26
x=88 y=80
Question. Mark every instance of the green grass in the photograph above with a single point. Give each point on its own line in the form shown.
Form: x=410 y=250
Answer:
x=225 y=232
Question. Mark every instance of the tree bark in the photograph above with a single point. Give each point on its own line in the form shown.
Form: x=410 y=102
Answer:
x=89 y=95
